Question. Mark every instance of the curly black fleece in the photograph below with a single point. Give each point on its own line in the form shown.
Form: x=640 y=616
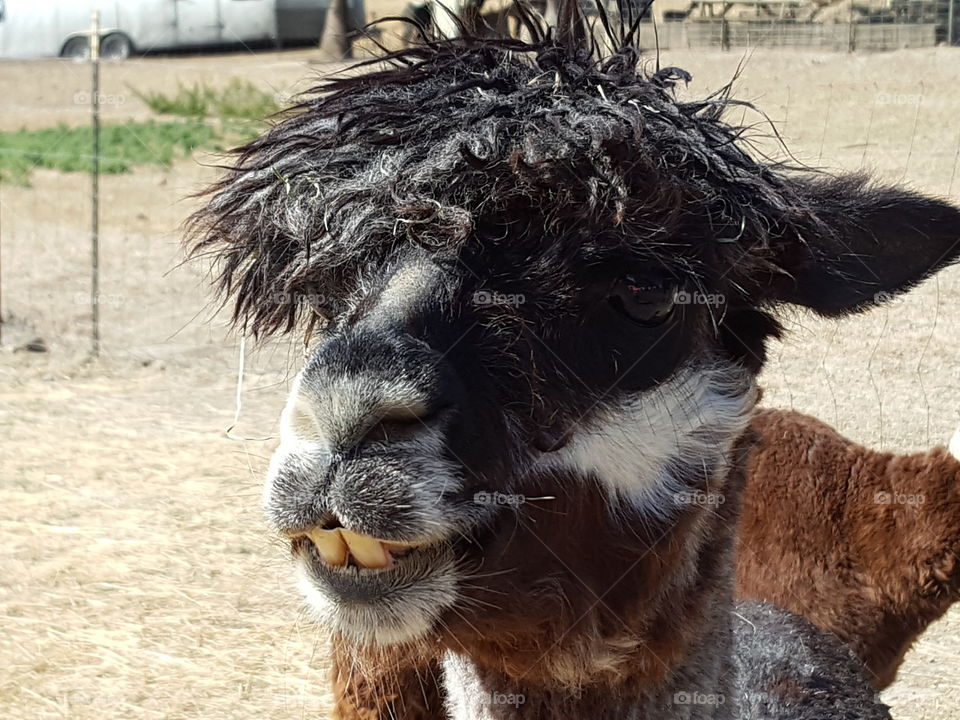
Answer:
x=470 y=140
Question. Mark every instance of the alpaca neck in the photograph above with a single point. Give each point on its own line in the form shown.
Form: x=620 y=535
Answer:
x=476 y=692
x=910 y=532
x=652 y=635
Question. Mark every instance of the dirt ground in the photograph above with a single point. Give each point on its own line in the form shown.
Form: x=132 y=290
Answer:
x=137 y=580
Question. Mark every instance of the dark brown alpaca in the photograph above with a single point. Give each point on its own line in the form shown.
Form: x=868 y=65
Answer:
x=862 y=543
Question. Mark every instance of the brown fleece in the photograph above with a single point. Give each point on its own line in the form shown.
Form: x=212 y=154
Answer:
x=862 y=543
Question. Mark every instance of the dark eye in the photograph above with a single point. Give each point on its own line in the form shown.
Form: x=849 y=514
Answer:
x=642 y=301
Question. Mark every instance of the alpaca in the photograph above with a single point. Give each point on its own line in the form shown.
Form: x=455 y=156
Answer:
x=514 y=400
x=865 y=544
x=873 y=559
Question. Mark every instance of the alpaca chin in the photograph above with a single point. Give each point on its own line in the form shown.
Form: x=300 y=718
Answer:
x=393 y=611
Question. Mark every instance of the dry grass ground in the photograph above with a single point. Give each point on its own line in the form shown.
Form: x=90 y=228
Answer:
x=136 y=580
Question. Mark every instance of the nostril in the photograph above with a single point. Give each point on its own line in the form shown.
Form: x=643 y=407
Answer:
x=401 y=423
x=329 y=521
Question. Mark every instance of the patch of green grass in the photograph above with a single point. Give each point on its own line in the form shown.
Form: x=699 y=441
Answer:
x=121 y=147
x=212 y=118
x=239 y=100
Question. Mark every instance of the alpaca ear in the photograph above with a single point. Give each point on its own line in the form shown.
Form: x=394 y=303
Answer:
x=855 y=245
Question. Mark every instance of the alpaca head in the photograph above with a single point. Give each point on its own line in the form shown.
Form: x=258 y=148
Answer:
x=538 y=288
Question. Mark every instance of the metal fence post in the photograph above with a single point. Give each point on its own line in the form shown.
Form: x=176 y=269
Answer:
x=1 y=274
x=851 y=32
x=95 y=186
x=952 y=22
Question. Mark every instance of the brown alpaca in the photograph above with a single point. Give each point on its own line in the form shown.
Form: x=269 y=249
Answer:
x=862 y=543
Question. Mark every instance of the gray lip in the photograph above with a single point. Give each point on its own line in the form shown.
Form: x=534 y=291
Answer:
x=351 y=586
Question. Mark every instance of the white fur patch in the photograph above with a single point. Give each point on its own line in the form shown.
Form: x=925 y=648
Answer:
x=466 y=697
x=955 y=444
x=695 y=418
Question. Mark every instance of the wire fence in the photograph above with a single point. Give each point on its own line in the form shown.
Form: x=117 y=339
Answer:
x=850 y=25
x=897 y=126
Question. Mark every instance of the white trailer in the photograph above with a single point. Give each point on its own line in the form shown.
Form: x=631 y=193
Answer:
x=58 y=28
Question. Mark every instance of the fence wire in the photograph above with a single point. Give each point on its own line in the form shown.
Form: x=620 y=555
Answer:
x=850 y=25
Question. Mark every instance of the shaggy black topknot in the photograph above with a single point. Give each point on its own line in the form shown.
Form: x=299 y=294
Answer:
x=458 y=139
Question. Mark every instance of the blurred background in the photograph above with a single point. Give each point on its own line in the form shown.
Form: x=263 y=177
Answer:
x=57 y=28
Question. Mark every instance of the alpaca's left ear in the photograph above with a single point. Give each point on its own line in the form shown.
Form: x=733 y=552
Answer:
x=856 y=245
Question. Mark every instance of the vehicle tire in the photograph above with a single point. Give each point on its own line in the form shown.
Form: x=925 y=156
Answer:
x=76 y=48
x=115 y=46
